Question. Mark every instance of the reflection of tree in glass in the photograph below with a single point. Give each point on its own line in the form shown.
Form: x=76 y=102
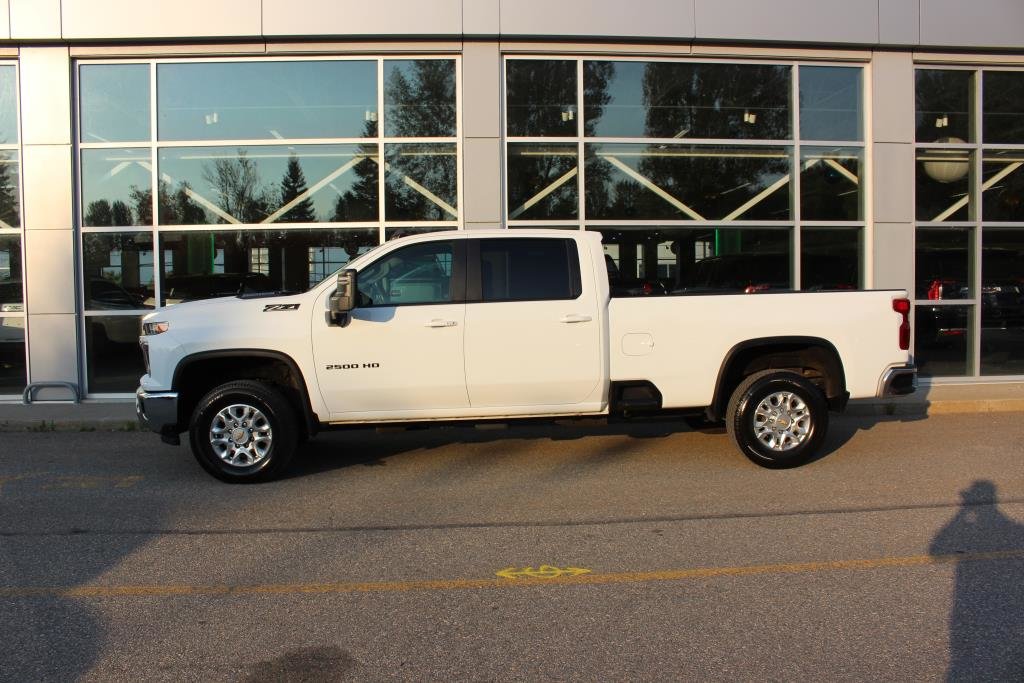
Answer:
x=8 y=194
x=101 y=212
x=176 y=207
x=540 y=95
x=293 y=184
x=359 y=202
x=239 y=191
x=420 y=99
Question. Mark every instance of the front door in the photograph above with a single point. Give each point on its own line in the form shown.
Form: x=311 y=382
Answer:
x=401 y=353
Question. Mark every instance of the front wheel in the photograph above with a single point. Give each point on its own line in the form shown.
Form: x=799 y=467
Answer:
x=243 y=431
x=777 y=418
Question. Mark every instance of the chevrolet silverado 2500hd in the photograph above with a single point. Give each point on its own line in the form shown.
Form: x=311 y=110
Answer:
x=484 y=325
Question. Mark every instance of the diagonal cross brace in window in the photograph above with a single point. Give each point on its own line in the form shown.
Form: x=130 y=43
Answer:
x=960 y=203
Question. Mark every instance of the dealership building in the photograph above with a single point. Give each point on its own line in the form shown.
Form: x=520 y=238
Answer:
x=153 y=153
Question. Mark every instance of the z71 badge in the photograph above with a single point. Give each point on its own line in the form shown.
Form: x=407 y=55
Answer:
x=280 y=307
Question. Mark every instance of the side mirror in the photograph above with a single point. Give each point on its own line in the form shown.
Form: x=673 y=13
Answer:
x=343 y=300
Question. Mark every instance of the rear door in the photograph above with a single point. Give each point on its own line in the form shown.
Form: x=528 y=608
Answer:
x=532 y=328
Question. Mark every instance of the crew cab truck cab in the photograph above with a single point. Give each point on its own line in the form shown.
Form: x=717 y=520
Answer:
x=484 y=325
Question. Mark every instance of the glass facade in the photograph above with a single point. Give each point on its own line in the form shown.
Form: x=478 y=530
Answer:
x=700 y=175
x=13 y=350
x=969 y=262
x=203 y=178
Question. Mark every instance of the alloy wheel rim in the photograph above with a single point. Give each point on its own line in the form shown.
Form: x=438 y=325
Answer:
x=240 y=435
x=782 y=421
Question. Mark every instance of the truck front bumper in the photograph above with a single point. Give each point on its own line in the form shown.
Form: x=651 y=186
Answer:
x=898 y=381
x=157 y=411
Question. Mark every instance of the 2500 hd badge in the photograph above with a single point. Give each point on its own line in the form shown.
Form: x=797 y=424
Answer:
x=351 y=366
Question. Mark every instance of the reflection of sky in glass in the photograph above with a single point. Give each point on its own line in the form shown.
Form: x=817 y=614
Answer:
x=266 y=100
x=110 y=175
x=115 y=102
x=419 y=98
x=624 y=114
x=8 y=106
x=830 y=103
x=192 y=165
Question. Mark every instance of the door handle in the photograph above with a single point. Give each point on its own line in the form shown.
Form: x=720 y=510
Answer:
x=437 y=322
x=575 y=318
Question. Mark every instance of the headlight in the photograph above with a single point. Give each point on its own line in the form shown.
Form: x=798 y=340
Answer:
x=150 y=329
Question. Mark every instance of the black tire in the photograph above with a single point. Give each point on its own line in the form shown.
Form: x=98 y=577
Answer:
x=252 y=458
x=786 y=446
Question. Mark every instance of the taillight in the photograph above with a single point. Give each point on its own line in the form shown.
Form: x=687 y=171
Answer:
x=902 y=306
x=935 y=290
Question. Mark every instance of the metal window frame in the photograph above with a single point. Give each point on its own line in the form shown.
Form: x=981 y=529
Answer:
x=20 y=231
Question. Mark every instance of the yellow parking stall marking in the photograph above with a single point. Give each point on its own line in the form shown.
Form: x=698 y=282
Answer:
x=565 y=579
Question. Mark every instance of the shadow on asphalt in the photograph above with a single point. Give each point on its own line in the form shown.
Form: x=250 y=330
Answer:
x=323 y=453
x=986 y=620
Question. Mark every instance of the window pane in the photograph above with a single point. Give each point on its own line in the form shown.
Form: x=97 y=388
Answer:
x=677 y=100
x=645 y=261
x=12 y=353
x=540 y=97
x=10 y=212
x=405 y=231
x=527 y=269
x=830 y=103
x=317 y=183
x=417 y=274
x=117 y=187
x=421 y=183
x=118 y=271
x=1003 y=107
x=943 y=192
x=8 y=106
x=943 y=106
x=114 y=102
x=830 y=259
x=830 y=182
x=1003 y=184
x=12 y=299
x=542 y=182
x=267 y=100
x=942 y=267
x=1002 y=302
x=206 y=264
x=419 y=98
x=113 y=357
x=942 y=336
x=684 y=182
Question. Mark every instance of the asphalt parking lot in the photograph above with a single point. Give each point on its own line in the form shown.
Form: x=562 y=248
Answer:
x=582 y=552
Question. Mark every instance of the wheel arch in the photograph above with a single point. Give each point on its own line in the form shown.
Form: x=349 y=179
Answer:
x=814 y=357
x=199 y=372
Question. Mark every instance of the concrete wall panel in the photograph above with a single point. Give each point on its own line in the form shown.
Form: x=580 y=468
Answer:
x=35 y=19
x=982 y=23
x=359 y=18
x=47 y=188
x=481 y=90
x=45 y=95
x=613 y=18
x=894 y=182
x=482 y=179
x=899 y=22
x=53 y=351
x=892 y=97
x=50 y=256
x=815 y=21
x=893 y=253
x=481 y=17
x=84 y=19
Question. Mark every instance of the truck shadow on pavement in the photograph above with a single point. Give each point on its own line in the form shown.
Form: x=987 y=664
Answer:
x=986 y=620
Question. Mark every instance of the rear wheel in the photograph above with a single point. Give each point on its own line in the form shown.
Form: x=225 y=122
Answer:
x=243 y=431
x=777 y=418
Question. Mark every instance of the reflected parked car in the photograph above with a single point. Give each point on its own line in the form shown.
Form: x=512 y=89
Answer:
x=181 y=288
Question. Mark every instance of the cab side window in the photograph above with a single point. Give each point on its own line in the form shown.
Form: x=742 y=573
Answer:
x=529 y=269
x=417 y=274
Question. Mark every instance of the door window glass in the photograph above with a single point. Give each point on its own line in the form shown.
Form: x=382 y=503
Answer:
x=527 y=269
x=417 y=274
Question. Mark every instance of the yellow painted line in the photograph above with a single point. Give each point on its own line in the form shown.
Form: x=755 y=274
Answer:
x=185 y=590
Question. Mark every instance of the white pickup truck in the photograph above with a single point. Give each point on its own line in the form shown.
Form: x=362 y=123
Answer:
x=505 y=324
